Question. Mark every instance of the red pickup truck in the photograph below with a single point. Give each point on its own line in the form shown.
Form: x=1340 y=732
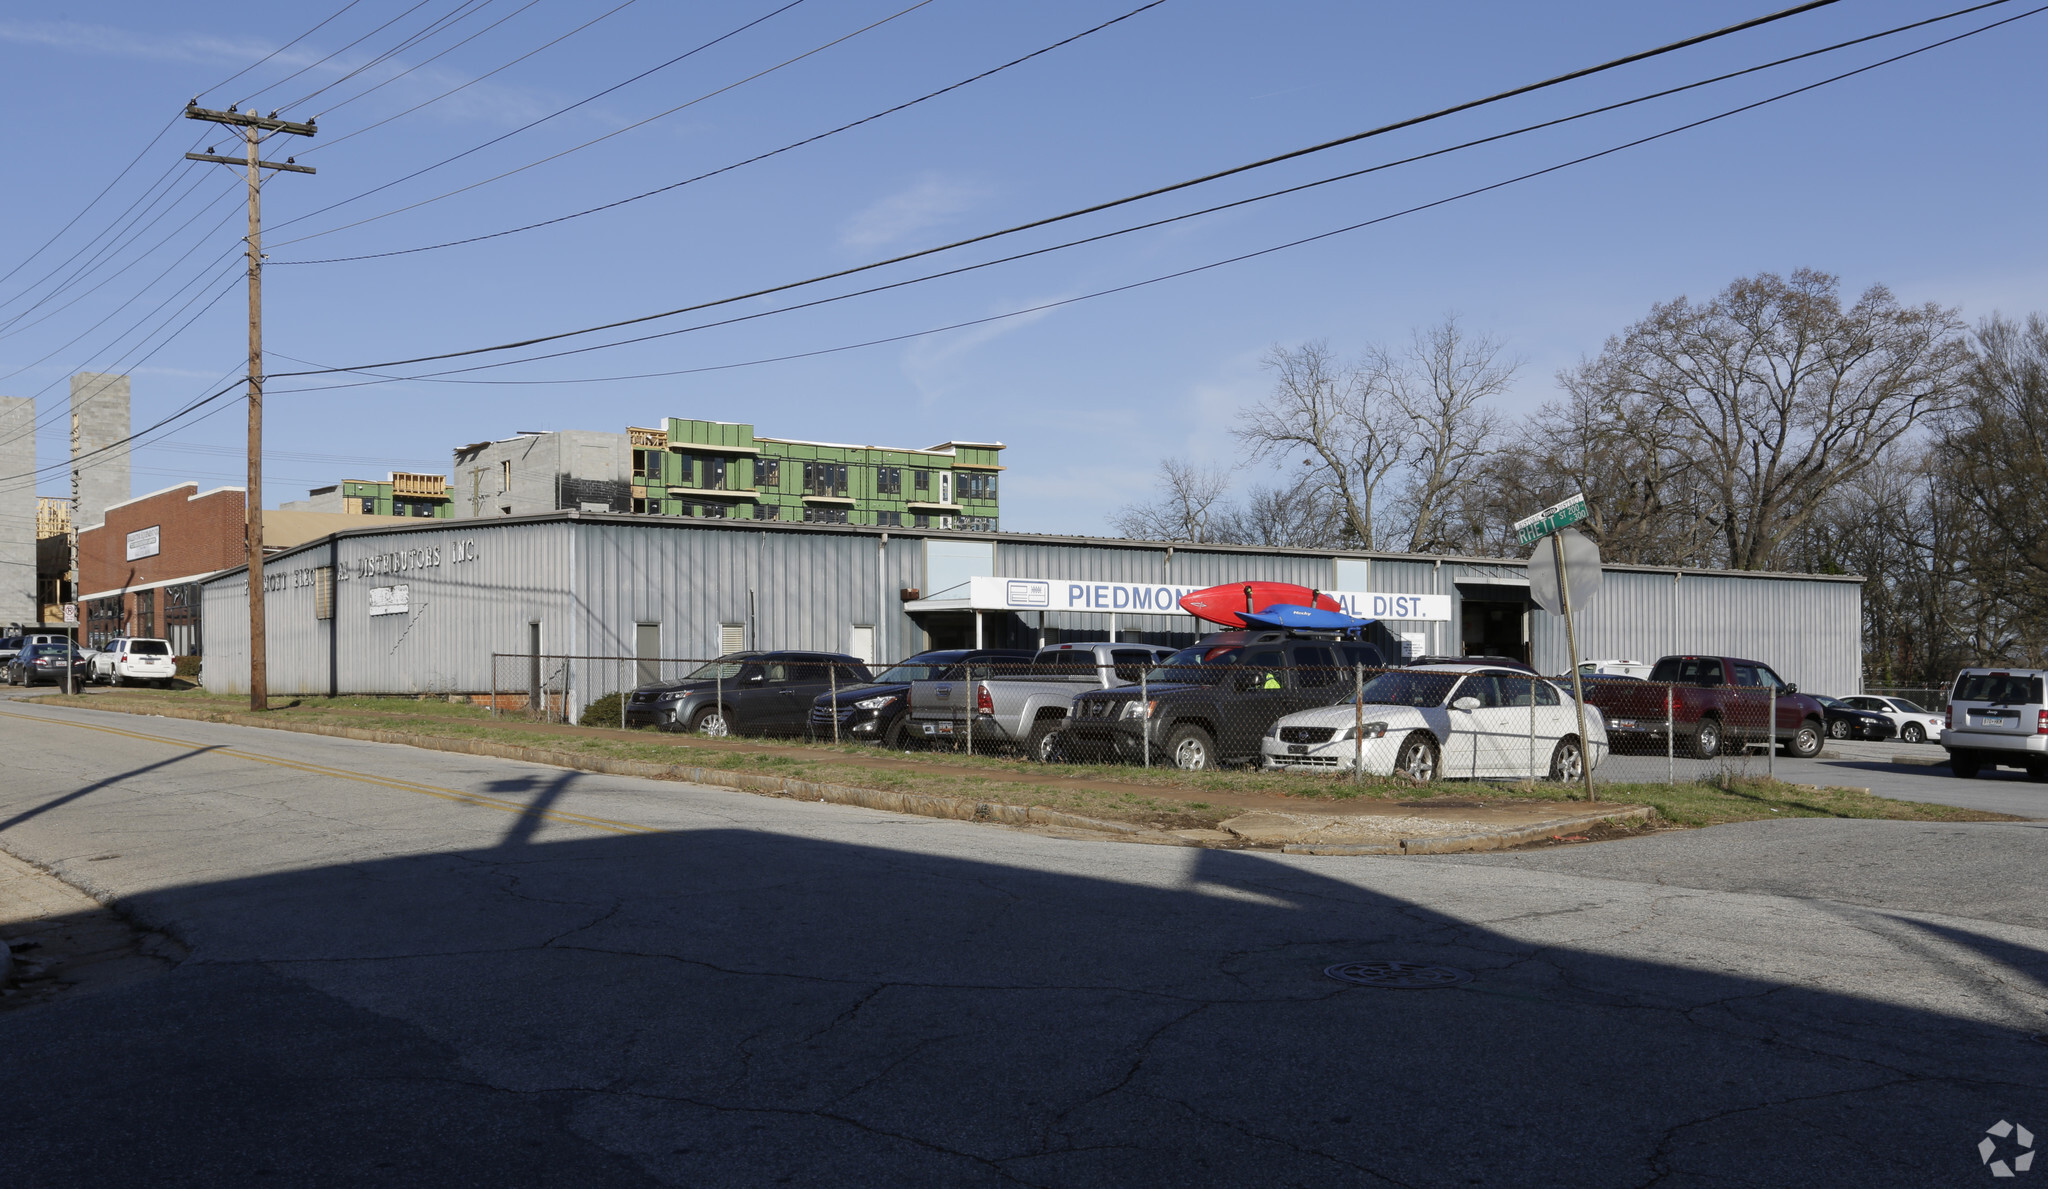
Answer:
x=1716 y=703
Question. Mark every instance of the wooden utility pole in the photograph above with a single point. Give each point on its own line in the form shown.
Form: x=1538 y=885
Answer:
x=253 y=127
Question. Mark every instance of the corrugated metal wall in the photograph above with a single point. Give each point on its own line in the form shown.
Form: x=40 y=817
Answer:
x=589 y=581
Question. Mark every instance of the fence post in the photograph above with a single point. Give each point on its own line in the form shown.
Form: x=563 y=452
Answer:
x=832 y=675
x=1532 y=730
x=1670 y=741
x=494 y=685
x=621 y=679
x=1358 y=722
x=718 y=688
x=970 y=704
x=1771 y=737
x=1145 y=717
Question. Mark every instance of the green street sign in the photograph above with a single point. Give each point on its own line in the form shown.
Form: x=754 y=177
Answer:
x=1549 y=520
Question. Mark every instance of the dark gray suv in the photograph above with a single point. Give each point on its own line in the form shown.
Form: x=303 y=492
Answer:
x=753 y=693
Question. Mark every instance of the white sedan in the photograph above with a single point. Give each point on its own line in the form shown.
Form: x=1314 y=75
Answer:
x=1436 y=721
x=1915 y=723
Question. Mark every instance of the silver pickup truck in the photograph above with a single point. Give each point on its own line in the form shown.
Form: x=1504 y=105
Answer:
x=1021 y=710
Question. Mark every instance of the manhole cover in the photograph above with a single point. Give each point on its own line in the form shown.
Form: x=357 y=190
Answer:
x=1406 y=976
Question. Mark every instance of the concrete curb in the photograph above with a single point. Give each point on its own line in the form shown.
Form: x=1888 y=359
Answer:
x=917 y=804
x=1463 y=843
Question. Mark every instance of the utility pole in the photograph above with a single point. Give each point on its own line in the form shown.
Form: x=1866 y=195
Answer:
x=253 y=127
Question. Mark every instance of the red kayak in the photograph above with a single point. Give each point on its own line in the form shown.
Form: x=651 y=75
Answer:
x=1227 y=604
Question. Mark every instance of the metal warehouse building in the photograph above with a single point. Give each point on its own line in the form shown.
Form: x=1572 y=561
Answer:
x=421 y=608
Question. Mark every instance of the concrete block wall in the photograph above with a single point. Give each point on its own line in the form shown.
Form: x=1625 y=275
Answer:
x=99 y=418
x=17 y=510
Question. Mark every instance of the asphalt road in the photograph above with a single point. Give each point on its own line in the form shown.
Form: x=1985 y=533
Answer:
x=1858 y=764
x=415 y=968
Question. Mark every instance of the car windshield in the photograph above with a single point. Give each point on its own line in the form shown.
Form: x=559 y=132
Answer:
x=1830 y=703
x=1063 y=662
x=1908 y=707
x=2003 y=689
x=717 y=671
x=148 y=648
x=908 y=671
x=1409 y=688
x=1196 y=666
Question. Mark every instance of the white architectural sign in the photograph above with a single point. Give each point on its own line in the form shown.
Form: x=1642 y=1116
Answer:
x=390 y=600
x=1127 y=598
x=143 y=543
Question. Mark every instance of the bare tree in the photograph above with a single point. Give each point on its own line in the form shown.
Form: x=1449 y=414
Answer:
x=1352 y=436
x=1440 y=383
x=1775 y=395
x=1303 y=516
x=1190 y=506
x=1994 y=455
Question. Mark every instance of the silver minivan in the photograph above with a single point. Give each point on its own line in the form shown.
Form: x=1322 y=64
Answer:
x=1998 y=717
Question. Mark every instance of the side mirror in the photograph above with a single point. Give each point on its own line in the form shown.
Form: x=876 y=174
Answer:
x=1791 y=690
x=1466 y=704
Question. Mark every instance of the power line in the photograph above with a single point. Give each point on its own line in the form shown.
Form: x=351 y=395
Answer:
x=330 y=57
x=280 y=49
x=1441 y=113
x=433 y=377
x=607 y=136
x=551 y=115
x=888 y=111
x=472 y=82
x=118 y=227
x=337 y=106
x=463 y=11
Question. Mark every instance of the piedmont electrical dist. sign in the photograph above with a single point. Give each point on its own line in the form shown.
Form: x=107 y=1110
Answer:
x=1131 y=598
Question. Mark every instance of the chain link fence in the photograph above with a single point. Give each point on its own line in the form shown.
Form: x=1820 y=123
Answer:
x=1120 y=705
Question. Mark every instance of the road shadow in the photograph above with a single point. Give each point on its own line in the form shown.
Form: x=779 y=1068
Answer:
x=734 y=1007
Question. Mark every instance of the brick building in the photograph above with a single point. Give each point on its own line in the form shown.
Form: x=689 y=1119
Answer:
x=138 y=570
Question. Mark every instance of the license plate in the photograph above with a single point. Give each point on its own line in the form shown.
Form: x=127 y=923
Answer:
x=945 y=728
x=1622 y=724
x=1297 y=749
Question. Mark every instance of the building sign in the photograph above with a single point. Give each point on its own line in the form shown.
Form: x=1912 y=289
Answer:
x=143 y=543
x=390 y=600
x=1061 y=594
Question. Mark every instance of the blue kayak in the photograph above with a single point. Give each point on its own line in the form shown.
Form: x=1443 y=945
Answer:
x=1300 y=618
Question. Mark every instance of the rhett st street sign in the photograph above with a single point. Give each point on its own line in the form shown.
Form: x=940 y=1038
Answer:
x=1549 y=520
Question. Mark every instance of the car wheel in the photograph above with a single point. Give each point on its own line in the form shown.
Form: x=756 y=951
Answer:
x=1963 y=765
x=1042 y=742
x=1839 y=728
x=711 y=721
x=1191 y=749
x=1805 y=742
x=1913 y=733
x=1567 y=762
x=1418 y=758
x=116 y=679
x=1706 y=739
x=896 y=736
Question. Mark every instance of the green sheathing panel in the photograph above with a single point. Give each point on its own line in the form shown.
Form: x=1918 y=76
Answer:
x=783 y=497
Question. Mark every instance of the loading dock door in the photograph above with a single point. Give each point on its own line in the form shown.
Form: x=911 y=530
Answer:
x=1490 y=624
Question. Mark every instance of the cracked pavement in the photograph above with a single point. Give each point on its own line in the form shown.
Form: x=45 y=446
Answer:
x=387 y=986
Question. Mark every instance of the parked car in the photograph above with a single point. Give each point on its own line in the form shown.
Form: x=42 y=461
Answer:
x=1996 y=719
x=1211 y=704
x=1846 y=722
x=1026 y=710
x=1639 y=669
x=128 y=660
x=1715 y=702
x=1916 y=724
x=755 y=693
x=1499 y=662
x=39 y=663
x=880 y=712
x=9 y=645
x=1443 y=721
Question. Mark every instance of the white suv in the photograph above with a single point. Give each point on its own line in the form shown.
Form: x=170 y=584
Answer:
x=131 y=660
x=1998 y=717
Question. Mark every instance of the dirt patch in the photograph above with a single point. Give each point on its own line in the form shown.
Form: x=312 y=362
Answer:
x=65 y=942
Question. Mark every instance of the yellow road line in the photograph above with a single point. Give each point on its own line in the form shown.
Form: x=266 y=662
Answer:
x=477 y=800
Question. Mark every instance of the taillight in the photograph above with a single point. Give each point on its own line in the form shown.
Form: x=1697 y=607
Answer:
x=2041 y=727
x=1948 y=720
x=984 y=704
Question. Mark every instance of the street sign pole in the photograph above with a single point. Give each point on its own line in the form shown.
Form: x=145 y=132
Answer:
x=1571 y=643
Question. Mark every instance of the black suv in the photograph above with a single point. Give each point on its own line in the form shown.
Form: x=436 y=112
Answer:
x=878 y=711
x=1212 y=703
x=756 y=693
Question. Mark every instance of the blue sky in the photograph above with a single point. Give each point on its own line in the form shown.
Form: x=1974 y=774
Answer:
x=1925 y=176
